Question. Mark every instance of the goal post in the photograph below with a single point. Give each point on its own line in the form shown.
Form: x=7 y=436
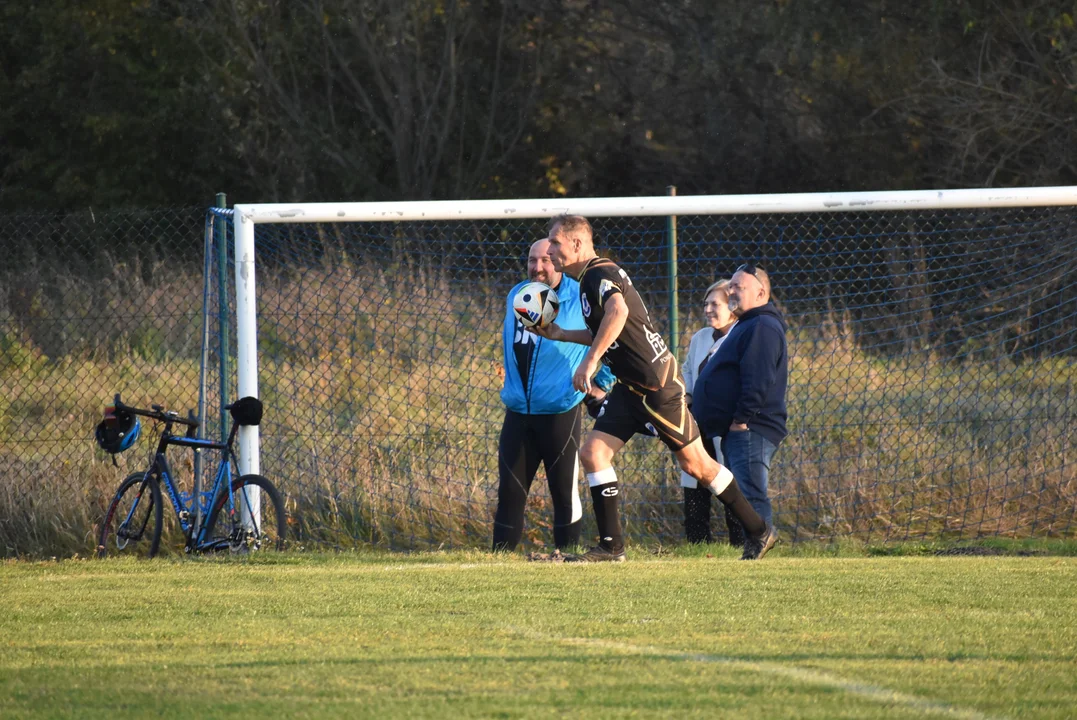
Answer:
x=246 y=335
x=496 y=215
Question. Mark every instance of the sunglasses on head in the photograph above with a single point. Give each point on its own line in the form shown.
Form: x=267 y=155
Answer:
x=748 y=268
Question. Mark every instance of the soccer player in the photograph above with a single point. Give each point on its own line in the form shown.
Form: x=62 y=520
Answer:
x=649 y=392
x=542 y=413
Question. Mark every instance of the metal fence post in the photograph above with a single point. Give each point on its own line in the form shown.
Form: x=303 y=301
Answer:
x=674 y=314
x=221 y=226
x=203 y=369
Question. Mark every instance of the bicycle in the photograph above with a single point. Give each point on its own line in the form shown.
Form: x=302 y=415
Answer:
x=135 y=516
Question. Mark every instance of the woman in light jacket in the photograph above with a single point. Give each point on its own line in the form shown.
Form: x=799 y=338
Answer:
x=697 y=500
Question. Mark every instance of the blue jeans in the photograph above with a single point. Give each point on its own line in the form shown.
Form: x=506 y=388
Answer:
x=747 y=455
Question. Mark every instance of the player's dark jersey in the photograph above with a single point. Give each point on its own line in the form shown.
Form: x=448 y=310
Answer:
x=639 y=355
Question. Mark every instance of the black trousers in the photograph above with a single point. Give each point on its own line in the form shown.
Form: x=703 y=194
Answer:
x=525 y=441
x=697 y=512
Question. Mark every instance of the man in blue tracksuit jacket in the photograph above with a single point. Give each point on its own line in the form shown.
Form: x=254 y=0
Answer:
x=542 y=412
x=740 y=393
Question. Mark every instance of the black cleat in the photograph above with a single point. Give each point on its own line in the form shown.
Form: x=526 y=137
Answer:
x=756 y=548
x=598 y=554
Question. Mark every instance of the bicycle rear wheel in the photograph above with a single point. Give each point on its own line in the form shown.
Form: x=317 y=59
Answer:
x=225 y=528
x=132 y=522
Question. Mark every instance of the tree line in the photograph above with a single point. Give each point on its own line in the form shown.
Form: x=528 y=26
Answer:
x=114 y=103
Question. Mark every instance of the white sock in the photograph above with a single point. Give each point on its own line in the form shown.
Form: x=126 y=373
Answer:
x=721 y=481
x=601 y=477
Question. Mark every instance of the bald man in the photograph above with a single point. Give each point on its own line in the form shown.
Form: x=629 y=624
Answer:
x=542 y=412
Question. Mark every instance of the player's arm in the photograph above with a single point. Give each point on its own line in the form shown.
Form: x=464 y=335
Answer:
x=553 y=331
x=613 y=322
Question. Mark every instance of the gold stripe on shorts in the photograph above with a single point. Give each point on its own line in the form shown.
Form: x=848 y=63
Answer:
x=684 y=412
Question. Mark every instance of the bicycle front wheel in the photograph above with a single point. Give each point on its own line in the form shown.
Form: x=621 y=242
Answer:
x=132 y=522
x=228 y=527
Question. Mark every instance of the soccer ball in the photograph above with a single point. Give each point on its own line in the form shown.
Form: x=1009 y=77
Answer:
x=536 y=304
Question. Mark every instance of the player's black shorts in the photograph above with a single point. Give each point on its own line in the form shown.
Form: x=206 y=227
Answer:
x=630 y=410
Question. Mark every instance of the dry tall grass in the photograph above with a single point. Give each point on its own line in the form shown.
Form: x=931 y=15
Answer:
x=383 y=416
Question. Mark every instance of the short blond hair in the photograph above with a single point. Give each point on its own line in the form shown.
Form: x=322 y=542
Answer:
x=719 y=285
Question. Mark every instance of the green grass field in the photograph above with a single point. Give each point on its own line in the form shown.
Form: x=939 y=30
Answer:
x=800 y=634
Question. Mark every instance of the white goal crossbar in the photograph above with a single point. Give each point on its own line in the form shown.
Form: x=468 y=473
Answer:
x=247 y=216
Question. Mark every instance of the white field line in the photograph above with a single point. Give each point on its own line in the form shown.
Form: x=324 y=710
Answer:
x=808 y=676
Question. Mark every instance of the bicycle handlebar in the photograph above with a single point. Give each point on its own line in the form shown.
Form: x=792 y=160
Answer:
x=157 y=413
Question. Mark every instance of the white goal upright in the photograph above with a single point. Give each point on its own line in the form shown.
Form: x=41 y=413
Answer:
x=942 y=313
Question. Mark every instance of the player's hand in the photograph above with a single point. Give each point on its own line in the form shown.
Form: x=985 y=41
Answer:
x=581 y=379
x=552 y=331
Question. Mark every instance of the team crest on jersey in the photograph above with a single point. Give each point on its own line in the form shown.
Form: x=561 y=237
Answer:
x=605 y=287
x=656 y=342
x=586 y=306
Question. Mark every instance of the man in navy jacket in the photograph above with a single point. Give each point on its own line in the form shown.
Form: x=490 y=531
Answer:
x=740 y=393
x=542 y=412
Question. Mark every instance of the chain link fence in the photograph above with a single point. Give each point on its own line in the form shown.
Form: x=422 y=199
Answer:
x=91 y=304
x=931 y=355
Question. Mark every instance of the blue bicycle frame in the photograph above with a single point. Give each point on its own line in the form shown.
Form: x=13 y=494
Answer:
x=194 y=529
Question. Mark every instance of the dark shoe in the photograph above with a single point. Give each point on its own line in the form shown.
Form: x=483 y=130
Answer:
x=598 y=554
x=756 y=548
